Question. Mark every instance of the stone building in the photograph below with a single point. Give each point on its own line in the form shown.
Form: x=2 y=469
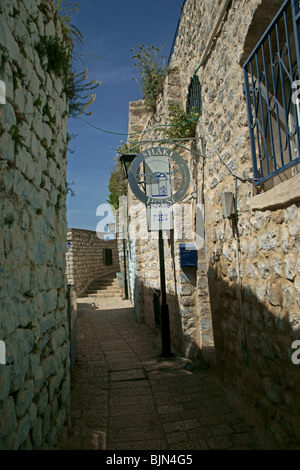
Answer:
x=34 y=327
x=238 y=309
x=89 y=257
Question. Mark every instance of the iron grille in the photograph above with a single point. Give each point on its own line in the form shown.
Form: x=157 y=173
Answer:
x=194 y=96
x=270 y=75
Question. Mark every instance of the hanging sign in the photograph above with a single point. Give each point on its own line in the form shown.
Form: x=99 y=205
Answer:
x=157 y=176
x=158 y=186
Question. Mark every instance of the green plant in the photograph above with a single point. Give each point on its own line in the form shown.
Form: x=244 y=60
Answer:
x=38 y=101
x=9 y=220
x=69 y=190
x=58 y=201
x=15 y=81
x=47 y=112
x=15 y=12
x=76 y=86
x=65 y=9
x=44 y=143
x=39 y=211
x=4 y=55
x=17 y=137
x=60 y=60
x=57 y=52
x=66 y=147
x=152 y=69
x=44 y=8
x=180 y=124
x=51 y=155
x=17 y=75
x=117 y=183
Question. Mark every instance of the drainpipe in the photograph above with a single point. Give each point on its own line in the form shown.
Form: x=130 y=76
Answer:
x=125 y=268
x=237 y=244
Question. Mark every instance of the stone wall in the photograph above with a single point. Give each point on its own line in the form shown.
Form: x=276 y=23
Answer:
x=187 y=296
x=85 y=260
x=35 y=381
x=242 y=304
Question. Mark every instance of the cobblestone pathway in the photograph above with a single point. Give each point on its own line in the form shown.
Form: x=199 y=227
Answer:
x=124 y=397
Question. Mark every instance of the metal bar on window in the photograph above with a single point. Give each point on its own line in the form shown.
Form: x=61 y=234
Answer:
x=250 y=119
x=269 y=116
x=280 y=65
x=296 y=25
x=265 y=156
x=273 y=116
x=290 y=104
x=275 y=89
x=270 y=27
x=256 y=123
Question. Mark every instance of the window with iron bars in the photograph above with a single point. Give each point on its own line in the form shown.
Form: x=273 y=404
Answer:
x=271 y=75
x=194 y=96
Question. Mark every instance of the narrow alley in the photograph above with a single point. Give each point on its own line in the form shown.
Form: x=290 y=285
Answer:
x=124 y=397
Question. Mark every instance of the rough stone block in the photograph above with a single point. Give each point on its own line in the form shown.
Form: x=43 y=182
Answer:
x=7 y=149
x=7 y=37
x=49 y=366
x=37 y=434
x=290 y=266
x=24 y=398
x=22 y=432
x=19 y=371
x=5 y=378
x=185 y=290
x=274 y=291
x=8 y=419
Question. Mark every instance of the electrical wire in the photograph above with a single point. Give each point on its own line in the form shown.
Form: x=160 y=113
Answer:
x=135 y=133
x=167 y=141
x=241 y=178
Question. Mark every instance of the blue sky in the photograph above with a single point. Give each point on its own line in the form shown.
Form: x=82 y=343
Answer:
x=110 y=30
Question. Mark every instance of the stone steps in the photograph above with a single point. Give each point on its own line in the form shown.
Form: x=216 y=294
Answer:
x=105 y=295
x=109 y=290
x=104 y=287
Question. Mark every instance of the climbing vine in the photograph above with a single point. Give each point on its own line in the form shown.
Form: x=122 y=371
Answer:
x=117 y=182
x=152 y=70
x=57 y=56
x=180 y=124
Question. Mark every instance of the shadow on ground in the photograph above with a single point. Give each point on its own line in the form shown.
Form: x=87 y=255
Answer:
x=124 y=396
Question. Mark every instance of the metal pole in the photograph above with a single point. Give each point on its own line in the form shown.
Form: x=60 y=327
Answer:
x=164 y=312
x=125 y=270
x=124 y=260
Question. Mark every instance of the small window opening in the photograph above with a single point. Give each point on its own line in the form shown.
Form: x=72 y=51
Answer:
x=194 y=96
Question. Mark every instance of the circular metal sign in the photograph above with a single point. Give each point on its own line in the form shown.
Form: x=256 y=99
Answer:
x=160 y=152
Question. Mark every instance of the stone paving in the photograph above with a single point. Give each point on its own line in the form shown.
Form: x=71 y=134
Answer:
x=124 y=397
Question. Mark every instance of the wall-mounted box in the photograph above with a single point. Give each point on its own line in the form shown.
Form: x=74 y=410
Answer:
x=227 y=204
x=188 y=255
